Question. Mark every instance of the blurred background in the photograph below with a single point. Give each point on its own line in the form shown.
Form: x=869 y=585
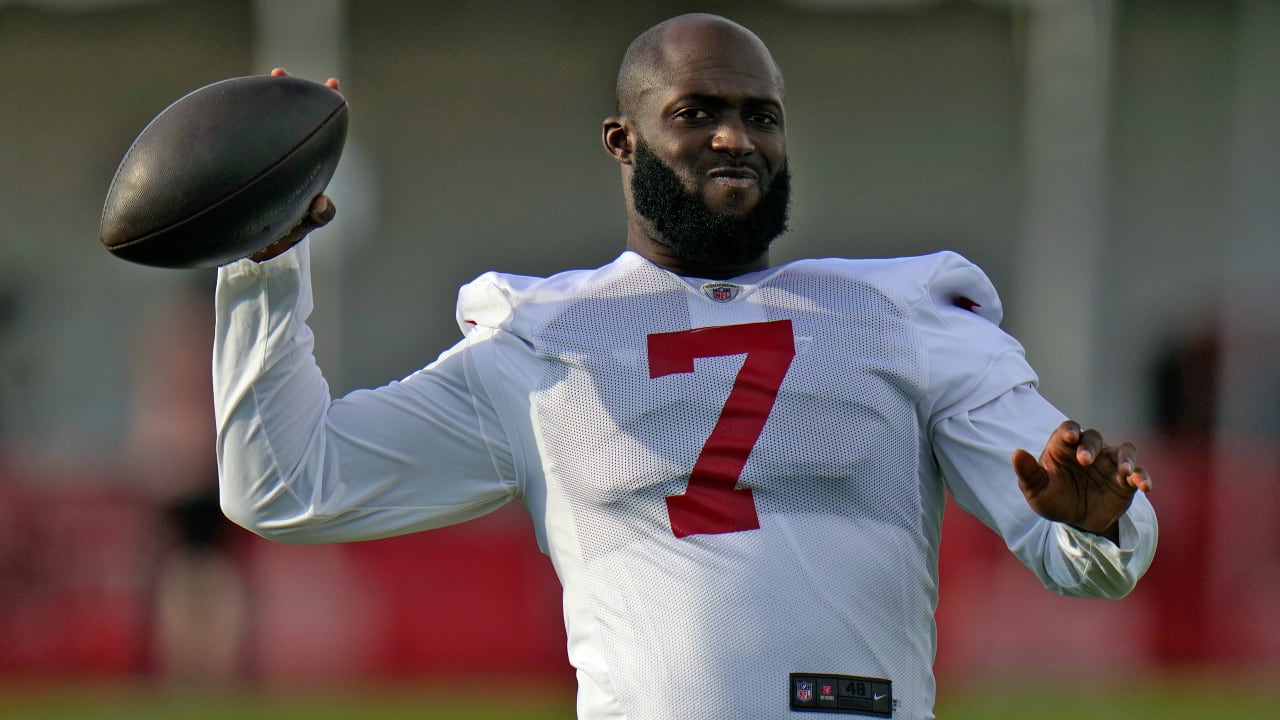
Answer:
x=1114 y=165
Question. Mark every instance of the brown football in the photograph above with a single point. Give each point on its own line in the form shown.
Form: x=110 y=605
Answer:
x=224 y=171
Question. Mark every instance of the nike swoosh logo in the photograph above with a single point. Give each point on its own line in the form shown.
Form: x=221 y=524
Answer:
x=878 y=697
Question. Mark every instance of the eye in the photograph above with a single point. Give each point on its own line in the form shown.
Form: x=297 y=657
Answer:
x=763 y=118
x=692 y=114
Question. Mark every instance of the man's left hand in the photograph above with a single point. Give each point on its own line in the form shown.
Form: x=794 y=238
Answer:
x=1080 y=480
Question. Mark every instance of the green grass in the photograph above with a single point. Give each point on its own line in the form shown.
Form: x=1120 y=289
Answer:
x=1193 y=699
x=140 y=703
x=1196 y=698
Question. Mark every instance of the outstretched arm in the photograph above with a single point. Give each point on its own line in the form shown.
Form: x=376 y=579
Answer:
x=973 y=452
x=298 y=466
x=1080 y=480
x=984 y=405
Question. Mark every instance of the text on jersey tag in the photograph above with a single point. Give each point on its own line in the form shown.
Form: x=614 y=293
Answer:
x=846 y=694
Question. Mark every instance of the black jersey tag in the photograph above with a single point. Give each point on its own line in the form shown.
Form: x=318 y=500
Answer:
x=845 y=694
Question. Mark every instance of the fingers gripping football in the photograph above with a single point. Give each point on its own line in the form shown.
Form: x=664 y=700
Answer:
x=321 y=212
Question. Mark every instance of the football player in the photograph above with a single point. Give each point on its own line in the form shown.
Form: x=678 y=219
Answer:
x=737 y=469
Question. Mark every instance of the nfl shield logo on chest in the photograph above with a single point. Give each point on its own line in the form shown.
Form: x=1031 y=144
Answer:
x=721 y=292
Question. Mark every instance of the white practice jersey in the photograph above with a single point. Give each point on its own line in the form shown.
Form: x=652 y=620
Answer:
x=740 y=484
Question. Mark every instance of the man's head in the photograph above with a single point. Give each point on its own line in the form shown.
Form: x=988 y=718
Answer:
x=699 y=133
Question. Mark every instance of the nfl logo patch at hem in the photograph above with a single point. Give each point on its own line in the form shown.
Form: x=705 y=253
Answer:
x=844 y=694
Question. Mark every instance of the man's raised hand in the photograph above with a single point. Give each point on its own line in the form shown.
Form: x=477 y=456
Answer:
x=321 y=212
x=1081 y=481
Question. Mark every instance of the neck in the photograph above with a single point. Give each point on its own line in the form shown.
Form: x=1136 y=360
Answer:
x=642 y=240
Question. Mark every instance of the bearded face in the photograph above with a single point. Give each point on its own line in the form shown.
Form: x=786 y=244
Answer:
x=692 y=230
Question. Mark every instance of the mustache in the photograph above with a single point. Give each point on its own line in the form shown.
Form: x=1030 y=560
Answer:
x=730 y=167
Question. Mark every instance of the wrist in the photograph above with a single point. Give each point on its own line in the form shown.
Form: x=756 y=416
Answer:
x=1111 y=532
x=274 y=250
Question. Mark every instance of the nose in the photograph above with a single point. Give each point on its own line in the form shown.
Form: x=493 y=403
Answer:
x=732 y=137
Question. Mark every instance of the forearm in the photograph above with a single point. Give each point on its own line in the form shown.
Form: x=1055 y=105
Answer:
x=973 y=451
x=270 y=398
x=1087 y=565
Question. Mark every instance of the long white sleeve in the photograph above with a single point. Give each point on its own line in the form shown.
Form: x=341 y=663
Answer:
x=297 y=466
x=973 y=450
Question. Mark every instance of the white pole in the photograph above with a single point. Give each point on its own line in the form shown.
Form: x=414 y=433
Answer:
x=308 y=38
x=1055 y=306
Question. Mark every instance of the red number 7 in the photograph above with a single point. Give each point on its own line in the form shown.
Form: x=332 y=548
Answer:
x=711 y=504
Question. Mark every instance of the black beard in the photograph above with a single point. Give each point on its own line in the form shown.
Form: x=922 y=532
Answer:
x=694 y=232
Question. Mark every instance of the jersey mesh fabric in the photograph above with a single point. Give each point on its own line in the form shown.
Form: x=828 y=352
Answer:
x=840 y=576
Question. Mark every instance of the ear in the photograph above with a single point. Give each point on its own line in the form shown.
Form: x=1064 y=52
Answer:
x=619 y=139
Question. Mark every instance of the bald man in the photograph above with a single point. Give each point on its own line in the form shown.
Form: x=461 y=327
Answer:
x=738 y=470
